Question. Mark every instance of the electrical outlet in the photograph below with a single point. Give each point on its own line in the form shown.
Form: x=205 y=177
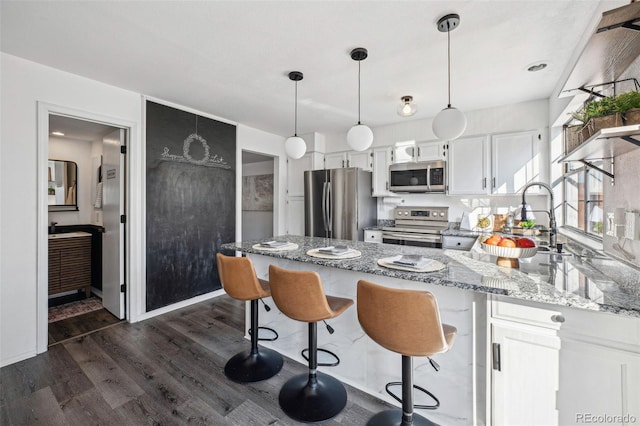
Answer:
x=632 y=225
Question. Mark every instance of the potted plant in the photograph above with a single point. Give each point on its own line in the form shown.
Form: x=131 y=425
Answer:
x=629 y=107
x=599 y=114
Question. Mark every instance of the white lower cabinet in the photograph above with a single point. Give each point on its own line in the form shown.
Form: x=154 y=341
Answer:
x=372 y=236
x=295 y=216
x=524 y=375
x=553 y=365
x=598 y=381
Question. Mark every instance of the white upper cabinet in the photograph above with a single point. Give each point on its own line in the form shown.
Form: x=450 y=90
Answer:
x=428 y=151
x=335 y=160
x=514 y=161
x=296 y=169
x=361 y=159
x=382 y=159
x=504 y=166
x=421 y=151
x=469 y=166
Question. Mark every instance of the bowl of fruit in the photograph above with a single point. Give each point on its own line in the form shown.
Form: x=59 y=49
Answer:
x=509 y=249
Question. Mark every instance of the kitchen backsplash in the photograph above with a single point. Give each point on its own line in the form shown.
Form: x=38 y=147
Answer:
x=621 y=197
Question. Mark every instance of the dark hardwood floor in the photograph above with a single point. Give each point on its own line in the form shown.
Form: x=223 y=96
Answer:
x=79 y=325
x=168 y=370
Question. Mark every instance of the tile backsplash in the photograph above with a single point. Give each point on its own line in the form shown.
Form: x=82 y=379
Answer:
x=622 y=197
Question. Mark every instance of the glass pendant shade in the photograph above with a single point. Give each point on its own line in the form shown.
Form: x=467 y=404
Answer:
x=449 y=124
x=295 y=147
x=407 y=108
x=359 y=137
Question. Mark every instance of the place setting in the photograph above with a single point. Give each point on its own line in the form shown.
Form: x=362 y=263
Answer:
x=334 y=252
x=412 y=263
x=275 y=245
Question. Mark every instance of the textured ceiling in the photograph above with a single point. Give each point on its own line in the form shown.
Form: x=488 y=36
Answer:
x=231 y=58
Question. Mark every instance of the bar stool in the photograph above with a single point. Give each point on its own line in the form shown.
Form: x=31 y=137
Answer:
x=406 y=322
x=312 y=397
x=239 y=280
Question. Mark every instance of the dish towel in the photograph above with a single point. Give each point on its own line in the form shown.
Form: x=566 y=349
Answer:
x=98 y=202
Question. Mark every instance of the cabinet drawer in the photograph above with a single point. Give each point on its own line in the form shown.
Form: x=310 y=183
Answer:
x=372 y=236
x=527 y=313
x=457 y=243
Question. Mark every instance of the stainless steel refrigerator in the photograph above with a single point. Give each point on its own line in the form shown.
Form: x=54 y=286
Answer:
x=338 y=203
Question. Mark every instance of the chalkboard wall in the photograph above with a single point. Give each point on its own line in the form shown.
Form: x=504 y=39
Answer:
x=190 y=202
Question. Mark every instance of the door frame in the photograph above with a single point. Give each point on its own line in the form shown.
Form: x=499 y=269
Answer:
x=42 y=291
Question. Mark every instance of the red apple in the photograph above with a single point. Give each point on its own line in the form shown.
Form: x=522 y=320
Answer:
x=526 y=243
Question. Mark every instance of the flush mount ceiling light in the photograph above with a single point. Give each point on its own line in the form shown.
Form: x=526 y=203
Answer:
x=57 y=133
x=450 y=123
x=294 y=146
x=407 y=108
x=360 y=136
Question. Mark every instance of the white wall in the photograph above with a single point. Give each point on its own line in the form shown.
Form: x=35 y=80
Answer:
x=23 y=85
x=80 y=153
x=257 y=224
x=517 y=117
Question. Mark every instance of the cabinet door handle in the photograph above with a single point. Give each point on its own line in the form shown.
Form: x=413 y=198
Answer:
x=418 y=151
x=387 y=185
x=493 y=183
x=496 y=356
x=348 y=163
x=484 y=183
x=342 y=163
x=557 y=318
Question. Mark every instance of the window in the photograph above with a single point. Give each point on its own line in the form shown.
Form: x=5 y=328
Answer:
x=583 y=191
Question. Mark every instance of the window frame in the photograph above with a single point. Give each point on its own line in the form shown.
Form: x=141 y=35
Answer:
x=585 y=171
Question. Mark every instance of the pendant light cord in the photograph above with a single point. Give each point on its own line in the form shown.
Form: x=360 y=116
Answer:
x=295 y=121
x=449 y=64
x=359 y=92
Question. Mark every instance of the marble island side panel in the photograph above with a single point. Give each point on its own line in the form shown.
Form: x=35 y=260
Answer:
x=367 y=366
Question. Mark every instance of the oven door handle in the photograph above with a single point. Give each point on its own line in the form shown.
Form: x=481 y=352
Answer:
x=414 y=237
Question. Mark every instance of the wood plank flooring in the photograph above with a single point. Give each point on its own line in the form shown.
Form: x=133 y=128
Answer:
x=78 y=325
x=168 y=370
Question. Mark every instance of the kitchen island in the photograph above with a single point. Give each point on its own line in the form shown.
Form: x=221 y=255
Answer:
x=469 y=289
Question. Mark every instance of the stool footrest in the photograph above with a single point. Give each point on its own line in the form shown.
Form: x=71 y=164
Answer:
x=266 y=339
x=421 y=389
x=305 y=355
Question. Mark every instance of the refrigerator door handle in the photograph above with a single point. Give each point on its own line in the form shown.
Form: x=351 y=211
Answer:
x=329 y=207
x=324 y=206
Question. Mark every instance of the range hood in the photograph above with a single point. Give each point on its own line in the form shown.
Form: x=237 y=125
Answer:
x=613 y=47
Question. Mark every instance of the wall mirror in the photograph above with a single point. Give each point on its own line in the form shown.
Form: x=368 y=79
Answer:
x=63 y=186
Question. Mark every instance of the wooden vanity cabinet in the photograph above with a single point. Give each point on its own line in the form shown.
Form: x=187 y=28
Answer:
x=70 y=264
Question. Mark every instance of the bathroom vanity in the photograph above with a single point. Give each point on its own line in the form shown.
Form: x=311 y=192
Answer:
x=70 y=262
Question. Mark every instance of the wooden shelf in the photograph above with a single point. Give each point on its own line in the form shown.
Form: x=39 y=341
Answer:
x=609 y=52
x=607 y=143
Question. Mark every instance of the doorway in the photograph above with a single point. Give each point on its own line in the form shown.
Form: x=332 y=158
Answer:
x=257 y=196
x=85 y=240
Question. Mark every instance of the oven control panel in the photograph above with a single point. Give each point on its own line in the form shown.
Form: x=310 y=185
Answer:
x=440 y=214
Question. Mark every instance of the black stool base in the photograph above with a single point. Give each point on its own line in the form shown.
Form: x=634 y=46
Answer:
x=246 y=368
x=309 y=404
x=394 y=418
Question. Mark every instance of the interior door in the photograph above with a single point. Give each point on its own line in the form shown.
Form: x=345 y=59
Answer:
x=113 y=239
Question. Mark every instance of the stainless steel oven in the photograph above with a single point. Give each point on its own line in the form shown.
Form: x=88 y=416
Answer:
x=417 y=226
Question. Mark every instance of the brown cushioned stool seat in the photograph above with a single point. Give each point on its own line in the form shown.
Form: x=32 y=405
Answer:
x=239 y=280
x=406 y=322
x=312 y=397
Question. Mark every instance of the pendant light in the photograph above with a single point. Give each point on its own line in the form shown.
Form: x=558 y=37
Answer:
x=294 y=146
x=450 y=123
x=407 y=108
x=360 y=136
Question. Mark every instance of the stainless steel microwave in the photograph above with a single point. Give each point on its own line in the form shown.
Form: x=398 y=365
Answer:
x=423 y=176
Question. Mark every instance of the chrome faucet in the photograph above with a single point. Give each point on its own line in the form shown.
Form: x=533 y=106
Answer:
x=552 y=216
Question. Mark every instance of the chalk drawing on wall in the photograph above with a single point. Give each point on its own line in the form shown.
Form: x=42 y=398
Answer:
x=207 y=160
x=257 y=193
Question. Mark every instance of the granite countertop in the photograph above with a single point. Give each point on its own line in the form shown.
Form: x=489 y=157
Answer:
x=601 y=284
